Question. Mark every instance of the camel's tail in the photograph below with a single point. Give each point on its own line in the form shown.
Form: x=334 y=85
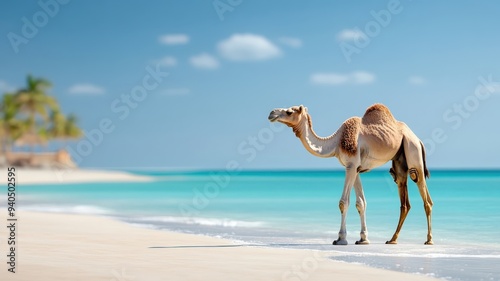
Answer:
x=426 y=172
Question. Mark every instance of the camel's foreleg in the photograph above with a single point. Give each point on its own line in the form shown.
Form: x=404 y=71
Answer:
x=350 y=177
x=361 y=206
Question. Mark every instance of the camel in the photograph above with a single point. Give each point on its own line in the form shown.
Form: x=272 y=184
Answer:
x=361 y=144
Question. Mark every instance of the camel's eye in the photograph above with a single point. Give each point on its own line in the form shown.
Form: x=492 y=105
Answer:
x=289 y=112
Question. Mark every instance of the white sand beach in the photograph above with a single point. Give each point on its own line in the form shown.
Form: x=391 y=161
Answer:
x=79 y=247
x=59 y=176
x=54 y=246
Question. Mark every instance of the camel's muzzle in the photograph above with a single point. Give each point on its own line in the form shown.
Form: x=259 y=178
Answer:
x=273 y=116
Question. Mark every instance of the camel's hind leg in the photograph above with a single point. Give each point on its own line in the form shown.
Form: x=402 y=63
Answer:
x=426 y=197
x=415 y=159
x=399 y=172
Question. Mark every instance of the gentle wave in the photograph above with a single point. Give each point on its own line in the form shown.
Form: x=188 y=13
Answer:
x=78 y=209
x=420 y=255
x=143 y=225
x=203 y=221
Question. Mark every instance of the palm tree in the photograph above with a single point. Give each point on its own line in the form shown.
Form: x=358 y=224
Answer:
x=63 y=128
x=57 y=125
x=34 y=101
x=71 y=129
x=30 y=117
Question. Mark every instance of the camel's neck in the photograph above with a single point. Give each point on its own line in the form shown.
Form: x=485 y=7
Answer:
x=318 y=146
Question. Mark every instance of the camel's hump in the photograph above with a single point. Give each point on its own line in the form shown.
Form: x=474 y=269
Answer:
x=377 y=113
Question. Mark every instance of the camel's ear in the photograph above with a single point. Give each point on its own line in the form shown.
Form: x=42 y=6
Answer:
x=301 y=108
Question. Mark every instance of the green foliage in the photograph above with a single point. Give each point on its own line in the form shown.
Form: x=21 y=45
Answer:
x=31 y=111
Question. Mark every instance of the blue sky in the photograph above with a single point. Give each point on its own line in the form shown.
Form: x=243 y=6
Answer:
x=229 y=66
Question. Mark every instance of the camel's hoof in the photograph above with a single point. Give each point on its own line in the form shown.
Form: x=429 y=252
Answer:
x=392 y=242
x=340 y=242
x=429 y=243
x=363 y=242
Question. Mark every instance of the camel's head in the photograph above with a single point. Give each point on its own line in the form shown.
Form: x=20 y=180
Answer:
x=288 y=116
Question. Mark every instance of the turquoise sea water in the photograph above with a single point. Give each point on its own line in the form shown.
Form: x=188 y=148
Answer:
x=299 y=209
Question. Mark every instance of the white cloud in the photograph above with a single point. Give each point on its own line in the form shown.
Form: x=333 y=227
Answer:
x=174 y=39
x=417 y=80
x=248 y=47
x=5 y=87
x=86 y=89
x=361 y=77
x=350 y=34
x=205 y=61
x=167 y=61
x=291 y=42
x=358 y=77
x=176 y=92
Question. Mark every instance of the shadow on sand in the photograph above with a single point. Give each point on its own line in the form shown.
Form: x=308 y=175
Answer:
x=286 y=245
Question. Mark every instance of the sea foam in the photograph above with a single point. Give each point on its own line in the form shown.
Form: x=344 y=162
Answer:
x=78 y=209
x=202 y=221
